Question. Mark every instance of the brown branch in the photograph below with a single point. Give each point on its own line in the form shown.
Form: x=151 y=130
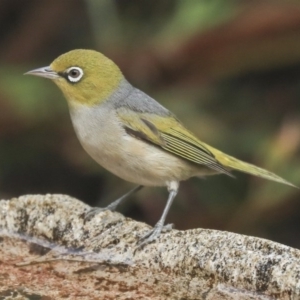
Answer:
x=47 y=250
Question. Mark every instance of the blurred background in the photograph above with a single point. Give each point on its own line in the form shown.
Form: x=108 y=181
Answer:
x=230 y=70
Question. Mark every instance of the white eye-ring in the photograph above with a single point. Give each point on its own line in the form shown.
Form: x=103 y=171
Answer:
x=74 y=74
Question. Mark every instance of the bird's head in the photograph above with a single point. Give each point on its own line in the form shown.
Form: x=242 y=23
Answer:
x=85 y=76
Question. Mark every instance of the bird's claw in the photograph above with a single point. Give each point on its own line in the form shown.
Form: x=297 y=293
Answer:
x=94 y=211
x=153 y=234
x=112 y=206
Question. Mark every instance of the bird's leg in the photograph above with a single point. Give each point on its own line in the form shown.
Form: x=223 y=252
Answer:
x=159 y=226
x=95 y=210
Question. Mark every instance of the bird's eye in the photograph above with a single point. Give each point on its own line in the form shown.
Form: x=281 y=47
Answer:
x=74 y=74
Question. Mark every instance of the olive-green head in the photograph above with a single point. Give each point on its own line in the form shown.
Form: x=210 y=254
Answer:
x=85 y=76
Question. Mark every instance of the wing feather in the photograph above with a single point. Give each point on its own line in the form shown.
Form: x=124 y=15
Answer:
x=160 y=132
x=170 y=135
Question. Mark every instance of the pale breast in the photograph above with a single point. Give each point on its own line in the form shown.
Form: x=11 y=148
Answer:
x=104 y=139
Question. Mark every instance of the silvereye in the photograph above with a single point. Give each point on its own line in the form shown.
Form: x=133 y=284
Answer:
x=130 y=134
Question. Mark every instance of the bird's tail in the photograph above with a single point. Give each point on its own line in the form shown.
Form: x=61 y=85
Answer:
x=235 y=164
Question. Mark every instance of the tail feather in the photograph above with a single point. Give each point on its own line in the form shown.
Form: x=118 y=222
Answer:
x=235 y=164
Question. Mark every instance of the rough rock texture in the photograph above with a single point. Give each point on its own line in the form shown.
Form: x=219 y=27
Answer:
x=47 y=251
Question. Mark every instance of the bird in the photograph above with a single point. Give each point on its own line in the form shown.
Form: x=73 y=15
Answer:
x=132 y=135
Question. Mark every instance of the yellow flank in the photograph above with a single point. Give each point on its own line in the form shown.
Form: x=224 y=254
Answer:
x=101 y=76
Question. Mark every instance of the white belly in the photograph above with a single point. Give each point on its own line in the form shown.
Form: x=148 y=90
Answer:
x=133 y=160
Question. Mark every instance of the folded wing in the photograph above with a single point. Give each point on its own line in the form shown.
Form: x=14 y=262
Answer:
x=170 y=135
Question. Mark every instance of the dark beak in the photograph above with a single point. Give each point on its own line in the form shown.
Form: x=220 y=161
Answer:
x=46 y=72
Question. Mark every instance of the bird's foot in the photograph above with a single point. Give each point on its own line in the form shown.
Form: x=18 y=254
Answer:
x=113 y=206
x=94 y=211
x=153 y=234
